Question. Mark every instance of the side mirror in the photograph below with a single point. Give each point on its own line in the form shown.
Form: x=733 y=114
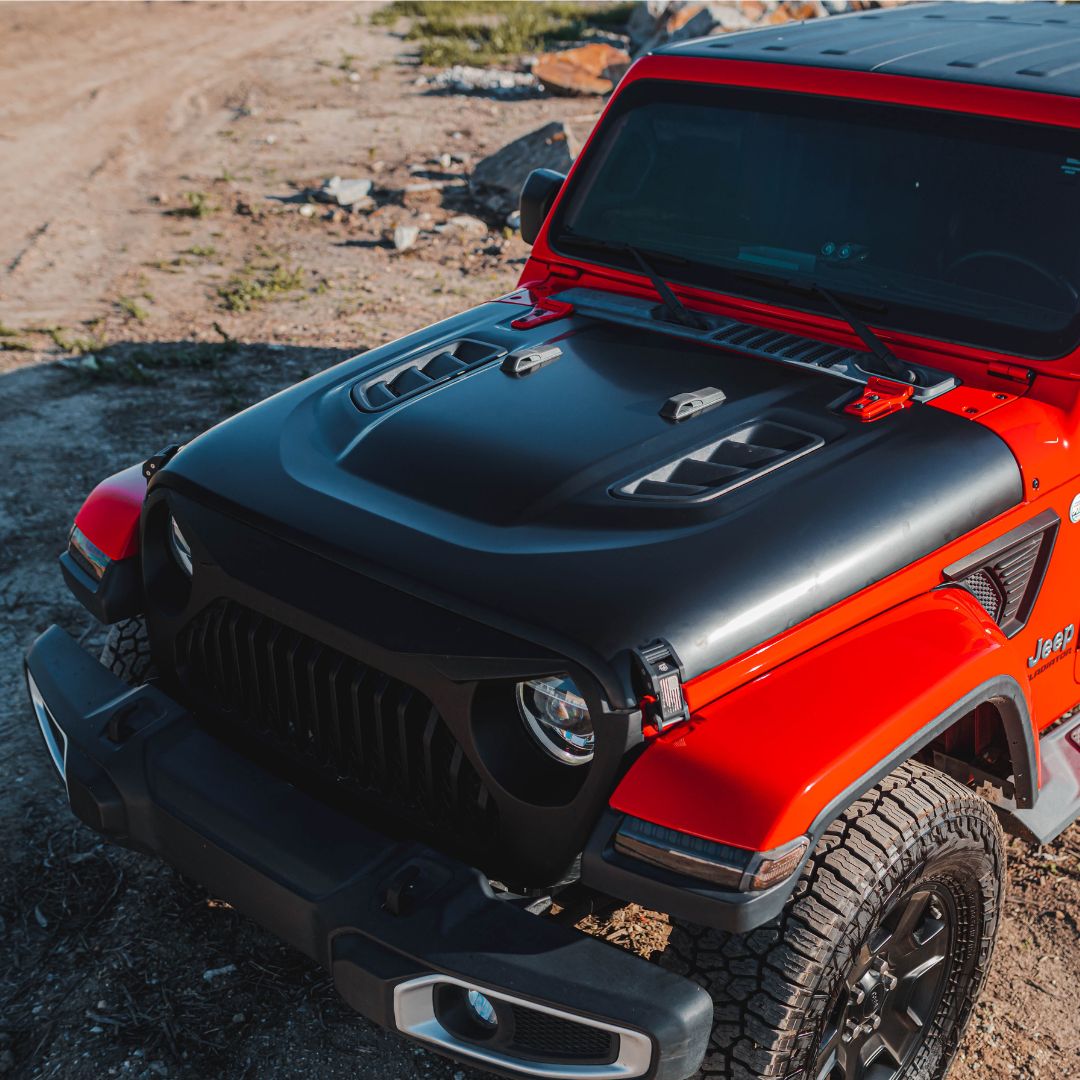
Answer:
x=537 y=194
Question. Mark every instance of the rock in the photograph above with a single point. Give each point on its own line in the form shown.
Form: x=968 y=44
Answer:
x=513 y=221
x=589 y=69
x=307 y=210
x=462 y=79
x=345 y=192
x=405 y=236
x=468 y=224
x=213 y=973
x=644 y=20
x=678 y=21
x=496 y=181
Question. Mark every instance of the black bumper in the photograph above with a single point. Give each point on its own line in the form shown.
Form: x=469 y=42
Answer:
x=404 y=930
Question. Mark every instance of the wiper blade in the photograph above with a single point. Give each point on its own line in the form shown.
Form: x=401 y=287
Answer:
x=675 y=308
x=888 y=363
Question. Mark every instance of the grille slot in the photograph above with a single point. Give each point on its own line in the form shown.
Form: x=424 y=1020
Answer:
x=723 y=465
x=366 y=732
x=1005 y=576
x=553 y=1038
x=413 y=376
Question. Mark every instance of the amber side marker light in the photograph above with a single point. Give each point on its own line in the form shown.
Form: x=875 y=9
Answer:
x=718 y=864
x=90 y=557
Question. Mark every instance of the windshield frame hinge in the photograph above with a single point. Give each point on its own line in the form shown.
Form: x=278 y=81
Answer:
x=880 y=397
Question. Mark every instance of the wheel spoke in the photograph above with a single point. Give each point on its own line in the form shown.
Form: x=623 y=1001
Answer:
x=910 y=919
x=898 y=1028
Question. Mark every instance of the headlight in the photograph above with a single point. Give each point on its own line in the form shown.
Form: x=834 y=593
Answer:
x=558 y=718
x=181 y=549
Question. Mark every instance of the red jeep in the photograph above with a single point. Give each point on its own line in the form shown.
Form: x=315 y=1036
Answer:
x=728 y=566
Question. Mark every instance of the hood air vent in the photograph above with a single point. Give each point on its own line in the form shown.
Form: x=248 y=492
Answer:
x=723 y=465
x=1005 y=576
x=410 y=377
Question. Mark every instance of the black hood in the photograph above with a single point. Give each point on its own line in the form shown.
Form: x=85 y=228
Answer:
x=553 y=506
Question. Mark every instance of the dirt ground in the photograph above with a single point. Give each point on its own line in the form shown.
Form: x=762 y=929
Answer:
x=156 y=275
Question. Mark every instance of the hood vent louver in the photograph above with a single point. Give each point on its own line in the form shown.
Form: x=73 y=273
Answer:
x=1006 y=574
x=753 y=450
x=407 y=378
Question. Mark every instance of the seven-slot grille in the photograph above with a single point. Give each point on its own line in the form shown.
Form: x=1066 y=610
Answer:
x=368 y=732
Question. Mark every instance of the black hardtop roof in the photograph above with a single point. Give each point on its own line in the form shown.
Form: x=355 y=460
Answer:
x=1025 y=46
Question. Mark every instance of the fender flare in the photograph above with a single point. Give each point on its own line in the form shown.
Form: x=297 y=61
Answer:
x=711 y=778
x=109 y=521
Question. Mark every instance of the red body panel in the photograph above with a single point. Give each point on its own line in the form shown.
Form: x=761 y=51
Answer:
x=778 y=732
x=765 y=759
x=110 y=516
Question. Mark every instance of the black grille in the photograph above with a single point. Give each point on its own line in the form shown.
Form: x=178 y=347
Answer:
x=984 y=587
x=369 y=733
x=551 y=1038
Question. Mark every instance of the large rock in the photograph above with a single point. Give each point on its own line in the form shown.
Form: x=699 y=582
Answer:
x=589 y=69
x=496 y=181
x=673 y=22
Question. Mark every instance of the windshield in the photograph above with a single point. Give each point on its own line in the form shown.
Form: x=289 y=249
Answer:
x=950 y=226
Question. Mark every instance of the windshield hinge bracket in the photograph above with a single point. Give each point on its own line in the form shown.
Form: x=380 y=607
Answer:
x=1013 y=372
x=545 y=310
x=881 y=397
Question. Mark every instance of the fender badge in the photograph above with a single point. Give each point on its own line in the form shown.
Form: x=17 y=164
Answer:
x=1074 y=510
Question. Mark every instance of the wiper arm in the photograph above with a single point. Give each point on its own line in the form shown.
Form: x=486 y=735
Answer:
x=889 y=362
x=675 y=308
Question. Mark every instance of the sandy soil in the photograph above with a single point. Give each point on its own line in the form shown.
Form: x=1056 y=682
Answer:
x=109 y=117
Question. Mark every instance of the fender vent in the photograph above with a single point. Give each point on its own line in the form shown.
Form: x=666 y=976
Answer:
x=721 y=466
x=410 y=377
x=1005 y=576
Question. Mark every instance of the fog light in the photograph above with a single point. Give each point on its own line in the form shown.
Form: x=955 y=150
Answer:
x=482 y=1009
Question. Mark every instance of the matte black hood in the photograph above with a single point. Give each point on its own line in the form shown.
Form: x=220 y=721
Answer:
x=497 y=496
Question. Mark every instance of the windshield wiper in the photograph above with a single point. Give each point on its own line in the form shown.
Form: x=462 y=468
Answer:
x=889 y=361
x=675 y=308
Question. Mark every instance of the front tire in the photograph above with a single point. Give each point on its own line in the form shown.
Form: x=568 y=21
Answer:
x=873 y=968
x=126 y=652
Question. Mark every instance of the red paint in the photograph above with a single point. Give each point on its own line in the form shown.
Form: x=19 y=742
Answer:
x=109 y=518
x=823 y=720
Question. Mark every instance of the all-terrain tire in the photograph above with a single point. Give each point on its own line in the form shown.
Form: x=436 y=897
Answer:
x=126 y=652
x=781 y=991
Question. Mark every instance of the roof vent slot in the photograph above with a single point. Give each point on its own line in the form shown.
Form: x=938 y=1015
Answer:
x=410 y=377
x=721 y=466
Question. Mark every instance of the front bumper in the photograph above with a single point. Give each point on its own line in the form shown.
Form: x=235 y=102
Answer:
x=404 y=931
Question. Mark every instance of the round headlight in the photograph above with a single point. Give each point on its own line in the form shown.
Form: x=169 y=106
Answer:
x=558 y=718
x=181 y=549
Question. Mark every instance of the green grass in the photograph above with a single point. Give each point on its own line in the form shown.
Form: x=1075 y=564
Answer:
x=8 y=331
x=253 y=285
x=131 y=307
x=66 y=343
x=199 y=205
x=482 y=32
